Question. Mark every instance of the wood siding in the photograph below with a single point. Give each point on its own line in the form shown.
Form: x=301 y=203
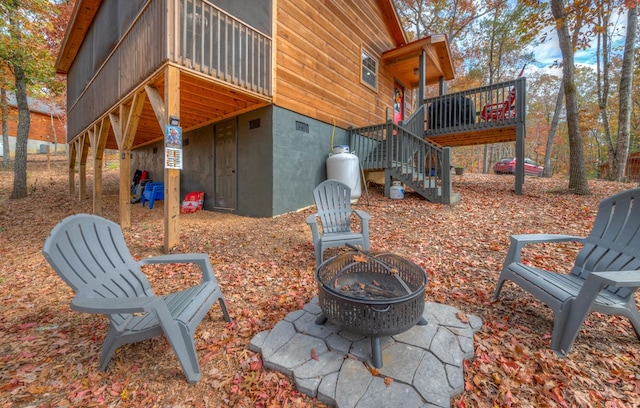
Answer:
x=40 y=127
x=318 y=60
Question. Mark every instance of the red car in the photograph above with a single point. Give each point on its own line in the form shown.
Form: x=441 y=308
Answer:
x=508 y=166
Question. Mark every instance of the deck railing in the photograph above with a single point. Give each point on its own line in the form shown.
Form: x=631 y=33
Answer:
x=217 y=44
x=405 y=156
x=491 y=106
x=197 y=35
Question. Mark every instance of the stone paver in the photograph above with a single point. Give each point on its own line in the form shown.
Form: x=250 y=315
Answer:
x=423 y=367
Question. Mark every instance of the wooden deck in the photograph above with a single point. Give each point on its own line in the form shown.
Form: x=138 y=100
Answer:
x=460 y=119
x=472 y=137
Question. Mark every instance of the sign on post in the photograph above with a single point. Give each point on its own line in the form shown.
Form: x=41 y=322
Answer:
x=173 y=147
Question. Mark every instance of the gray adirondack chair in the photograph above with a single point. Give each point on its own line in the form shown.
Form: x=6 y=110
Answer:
x=90 y=254
x=603 y=279
x=333 y=202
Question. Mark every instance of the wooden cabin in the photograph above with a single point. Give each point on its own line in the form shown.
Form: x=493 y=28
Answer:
x=257 y=93
x=631 y=170
x=47 y=125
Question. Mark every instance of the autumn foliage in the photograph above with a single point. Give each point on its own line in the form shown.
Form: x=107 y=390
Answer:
x=265 y=267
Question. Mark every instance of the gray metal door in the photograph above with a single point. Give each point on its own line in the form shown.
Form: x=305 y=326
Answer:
x=226 y=162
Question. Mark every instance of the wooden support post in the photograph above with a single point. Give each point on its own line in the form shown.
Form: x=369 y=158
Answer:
x=124 y=125
x=519 y=176
x=446 y=175
x=98 y=138
x=82 y=180
x=171 y=176
x=125 y=188
x=521 y=129
x=72 y=165
x=422 y=64
x=98 y=162
x=124 y=159
x=83 y=152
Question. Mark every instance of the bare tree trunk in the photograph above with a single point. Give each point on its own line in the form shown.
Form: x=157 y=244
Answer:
x=603 y=84
x=626 y=82
x=4 y=106
x=22 y=136
x=53 y=128
x=577 y=173
x=552 y=132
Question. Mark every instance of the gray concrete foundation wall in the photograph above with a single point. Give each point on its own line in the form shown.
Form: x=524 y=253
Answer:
x=255 y=163
x=300 y=151
x=281 y=158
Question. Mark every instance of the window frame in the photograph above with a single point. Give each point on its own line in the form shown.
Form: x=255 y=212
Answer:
x=371 y=56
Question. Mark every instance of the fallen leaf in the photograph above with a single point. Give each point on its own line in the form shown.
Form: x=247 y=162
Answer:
x=256 y=258
x=360 y=258
x=462 y=317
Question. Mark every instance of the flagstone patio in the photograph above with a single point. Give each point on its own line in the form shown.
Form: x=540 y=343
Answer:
x=422 y=367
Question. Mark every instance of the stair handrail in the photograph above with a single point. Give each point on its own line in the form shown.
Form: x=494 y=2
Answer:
x=416 y=122
x=417 y=162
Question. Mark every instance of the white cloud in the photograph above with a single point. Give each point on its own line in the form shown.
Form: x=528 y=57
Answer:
x=548 y=53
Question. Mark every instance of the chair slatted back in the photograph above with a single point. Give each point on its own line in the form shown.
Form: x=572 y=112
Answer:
x=614 y=241
x=90 y=253
x=333 y=200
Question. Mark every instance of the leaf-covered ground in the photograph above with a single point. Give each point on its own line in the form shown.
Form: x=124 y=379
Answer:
x=49 y=354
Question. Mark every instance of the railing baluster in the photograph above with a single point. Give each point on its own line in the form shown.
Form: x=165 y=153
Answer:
x=215 y=43
x=218 y=43
x=409 y=157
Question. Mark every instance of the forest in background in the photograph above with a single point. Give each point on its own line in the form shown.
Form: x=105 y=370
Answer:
x=491 y=41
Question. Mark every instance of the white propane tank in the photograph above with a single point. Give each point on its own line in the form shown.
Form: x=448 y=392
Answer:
x=397 y=191
x=345 y=167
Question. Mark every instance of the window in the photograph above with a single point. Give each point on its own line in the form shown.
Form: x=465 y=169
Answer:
x=369 y=70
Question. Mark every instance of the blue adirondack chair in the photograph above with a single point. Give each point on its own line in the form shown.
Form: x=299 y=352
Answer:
x=333 y=202
x=90 y=254
x=604 y=277
x=152 y=192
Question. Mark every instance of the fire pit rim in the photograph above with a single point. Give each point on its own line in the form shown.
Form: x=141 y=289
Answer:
x=355 y=299
x=363 y=301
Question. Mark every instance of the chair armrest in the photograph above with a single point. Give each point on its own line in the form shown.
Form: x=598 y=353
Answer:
x=617 y=279
x=83 y=303
x=201 y=260
x=520 y=241
x=364 y=217
x=312 y=221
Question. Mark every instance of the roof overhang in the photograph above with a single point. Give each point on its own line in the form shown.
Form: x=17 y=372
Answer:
x=403 y=61
x=83 y=13
x=393 y=21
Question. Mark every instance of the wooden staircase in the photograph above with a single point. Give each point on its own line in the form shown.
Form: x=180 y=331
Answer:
x=418 y=150
x=418 y=163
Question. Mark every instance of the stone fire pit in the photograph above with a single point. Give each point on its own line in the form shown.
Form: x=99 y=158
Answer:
x=374 y=294
x=422 y=366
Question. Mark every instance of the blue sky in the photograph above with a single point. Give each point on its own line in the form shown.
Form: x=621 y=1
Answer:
x=549 y=52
